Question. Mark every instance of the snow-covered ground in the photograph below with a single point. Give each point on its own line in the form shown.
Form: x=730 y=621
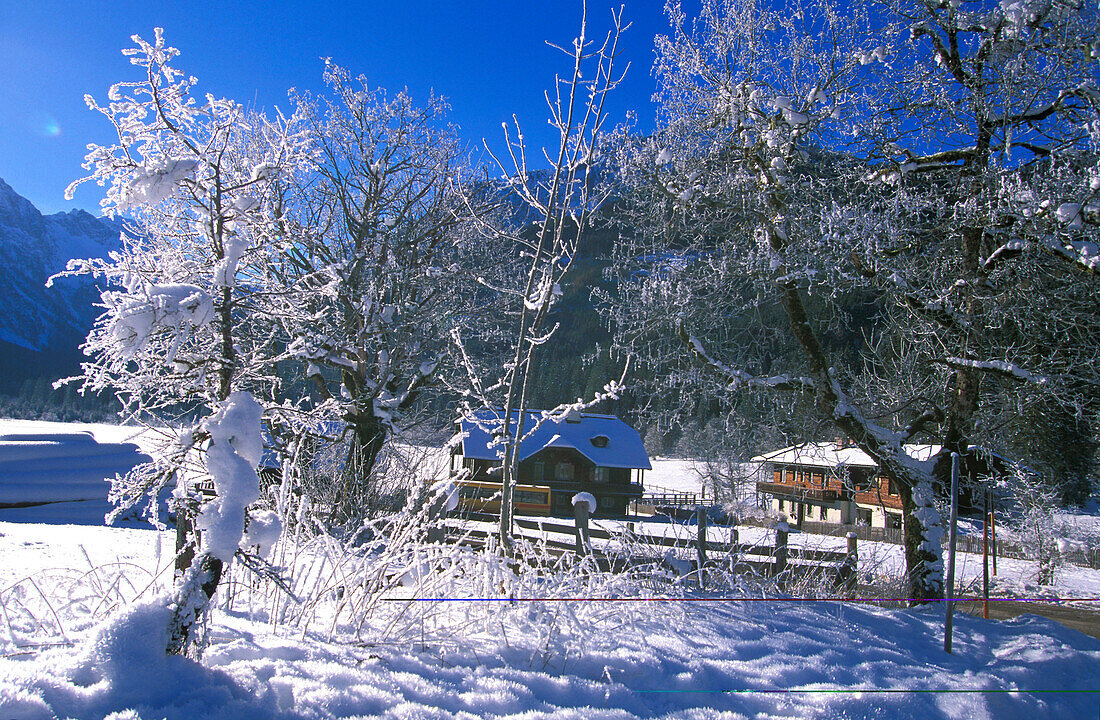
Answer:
x=81 y=632
x=673 y=475
x=650 y=655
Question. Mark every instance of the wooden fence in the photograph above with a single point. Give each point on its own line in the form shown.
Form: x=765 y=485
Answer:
x=1083 y=557
x=632 y=548
x=863 y=532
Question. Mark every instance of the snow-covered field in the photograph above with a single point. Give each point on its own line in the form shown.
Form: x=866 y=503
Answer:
x=755 y=656
x=81 y=636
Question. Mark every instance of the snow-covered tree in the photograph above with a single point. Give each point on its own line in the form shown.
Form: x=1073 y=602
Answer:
x=985 y=139
x=184 y=332
x=929 y=162
x=374 y=273
x=559 y=203
x=1032 y=520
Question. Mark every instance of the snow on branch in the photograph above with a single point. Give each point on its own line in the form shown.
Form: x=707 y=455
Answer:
x=735 y=377
x=997 y=366
x=1007 y=251
x=1084 y=254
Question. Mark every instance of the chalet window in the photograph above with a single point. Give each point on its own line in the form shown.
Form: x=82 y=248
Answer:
x=478 y=492
x=563 y=471
x=819 y=479
x=890 y=489
x=824 y=513
x=601 y=475
x=777 y=475
x=608 y=503
x=531 y=497
x=538 y=471
x=781 y=504
x=791 y=475
x=893 y=521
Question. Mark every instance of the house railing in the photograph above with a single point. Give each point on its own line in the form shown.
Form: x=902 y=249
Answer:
x=798 y=491
x=667 y=500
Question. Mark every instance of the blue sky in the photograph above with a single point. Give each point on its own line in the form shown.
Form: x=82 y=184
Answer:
x=488 y=57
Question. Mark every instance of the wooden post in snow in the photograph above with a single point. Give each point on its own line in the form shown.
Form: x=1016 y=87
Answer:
x=949 y=596
x=701 y=543
x=993 y=535
x=848 y=573
x=734 y=542
x=580 y=514
x=781 y=532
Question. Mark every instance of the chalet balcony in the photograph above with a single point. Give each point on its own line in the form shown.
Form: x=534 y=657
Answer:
x=629 y=490
x=798 y=492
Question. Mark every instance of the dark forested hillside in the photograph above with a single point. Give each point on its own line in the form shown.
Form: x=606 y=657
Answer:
x=41 y=328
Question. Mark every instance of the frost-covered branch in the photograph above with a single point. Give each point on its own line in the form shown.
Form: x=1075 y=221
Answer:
x=999 y=367
x=737 y=378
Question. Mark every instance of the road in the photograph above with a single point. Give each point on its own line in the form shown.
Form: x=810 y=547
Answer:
x=1086 y=620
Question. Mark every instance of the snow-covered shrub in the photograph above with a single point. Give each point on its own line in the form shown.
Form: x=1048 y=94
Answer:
x=1033 y=522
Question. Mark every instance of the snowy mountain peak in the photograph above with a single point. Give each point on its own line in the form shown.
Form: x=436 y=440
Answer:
x=40 y=326
x=17 y=210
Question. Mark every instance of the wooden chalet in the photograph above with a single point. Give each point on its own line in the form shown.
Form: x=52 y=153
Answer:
x=580 y=452
x=833 y=483
x=838 y=483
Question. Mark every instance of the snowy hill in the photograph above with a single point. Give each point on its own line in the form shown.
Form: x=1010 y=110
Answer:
x=61 y=475
x=41 y=328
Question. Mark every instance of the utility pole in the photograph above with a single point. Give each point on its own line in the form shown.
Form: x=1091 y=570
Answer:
x=950 y=589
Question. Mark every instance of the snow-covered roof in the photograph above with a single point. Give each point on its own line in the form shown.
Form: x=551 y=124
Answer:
x=827 y=454
x=604 y=439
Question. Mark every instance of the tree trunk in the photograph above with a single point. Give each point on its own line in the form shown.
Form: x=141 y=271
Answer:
x=359 y=490
x=923 y=556
x=193 y=595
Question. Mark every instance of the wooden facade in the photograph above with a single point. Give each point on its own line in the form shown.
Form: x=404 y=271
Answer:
x=563 y=473
x=822 y=485
x=597 y=454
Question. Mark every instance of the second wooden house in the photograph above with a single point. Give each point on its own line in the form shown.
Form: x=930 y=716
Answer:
x=580 y=452
x=833 y=483
x=840 y=484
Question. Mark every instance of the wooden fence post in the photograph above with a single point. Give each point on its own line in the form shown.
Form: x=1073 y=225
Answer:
x=781 y=531
x=734 y=542
x=701 y=543
x=436 y=514
x=848 y=574
x=993 y=536
x=580 y=513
